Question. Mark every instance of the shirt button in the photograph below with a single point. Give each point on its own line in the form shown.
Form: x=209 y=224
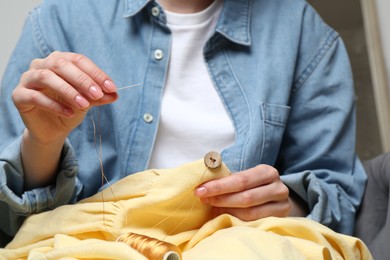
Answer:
x=155 y=11
x=212 y=160
x=158 y=54
x=148 y=118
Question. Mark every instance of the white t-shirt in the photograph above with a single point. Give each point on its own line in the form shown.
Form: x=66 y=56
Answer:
x=193 y=119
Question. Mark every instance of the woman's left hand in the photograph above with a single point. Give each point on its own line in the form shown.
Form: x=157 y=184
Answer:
x=249 y=195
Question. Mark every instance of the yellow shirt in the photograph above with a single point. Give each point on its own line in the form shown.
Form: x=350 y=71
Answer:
x=161 y=204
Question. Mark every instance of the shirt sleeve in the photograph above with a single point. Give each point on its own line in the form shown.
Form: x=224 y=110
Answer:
x=15 y=202
x=318 y=159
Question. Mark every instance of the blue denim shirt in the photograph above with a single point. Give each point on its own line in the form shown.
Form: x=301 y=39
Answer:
x=281 y=72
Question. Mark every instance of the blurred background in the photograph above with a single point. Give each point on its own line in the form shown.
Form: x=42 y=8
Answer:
x=13 y=14
x=365 y=28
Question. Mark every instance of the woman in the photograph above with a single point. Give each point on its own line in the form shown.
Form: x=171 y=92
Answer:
x=267 y=83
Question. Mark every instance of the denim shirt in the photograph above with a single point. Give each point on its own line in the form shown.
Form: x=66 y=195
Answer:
x=282 y=74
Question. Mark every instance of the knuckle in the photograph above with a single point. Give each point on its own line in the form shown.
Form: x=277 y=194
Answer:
x=285 y=191
x=272 y=173
x=42 y=74
x=83 y=80
x=78 y=59
x=281 y=191
x=24 y=83
x=34 y=97
x=55 y=54
x=52 y=57
x=66 y=91
x=58 y=63
x=242 y=181
x=247 y=199
x=260 y=166
x=216 y=187
x=25 y=76
x=52 y=105
x=98 y=74
x=35 y=63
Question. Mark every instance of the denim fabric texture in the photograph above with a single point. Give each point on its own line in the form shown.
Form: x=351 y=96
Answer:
x=282 y=74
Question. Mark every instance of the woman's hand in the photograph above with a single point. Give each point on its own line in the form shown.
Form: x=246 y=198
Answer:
x=249 y=195
x=54 y=95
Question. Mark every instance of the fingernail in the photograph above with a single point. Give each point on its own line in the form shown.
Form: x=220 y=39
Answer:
x=95 y=92
x=81 y=102
x=109 y=86
x=201 y=191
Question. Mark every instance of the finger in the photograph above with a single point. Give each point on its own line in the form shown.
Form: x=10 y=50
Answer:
x=98 y=75
x=36 y=64
x=51 y=84
x=102 y=82
x=92 y=75
x=38 y=99
x=106 y=99
x=76 y=77
x=275 y=209
x=251 y=178
x=273 y=192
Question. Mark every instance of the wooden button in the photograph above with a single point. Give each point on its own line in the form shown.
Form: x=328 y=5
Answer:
x=212 y=160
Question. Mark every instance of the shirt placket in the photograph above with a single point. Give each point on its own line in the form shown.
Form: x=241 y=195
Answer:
x=149 y=111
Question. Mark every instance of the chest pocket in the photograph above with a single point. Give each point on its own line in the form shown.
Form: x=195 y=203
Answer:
x=274 y=122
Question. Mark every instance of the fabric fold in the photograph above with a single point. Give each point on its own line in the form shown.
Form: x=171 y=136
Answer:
x=161 y=204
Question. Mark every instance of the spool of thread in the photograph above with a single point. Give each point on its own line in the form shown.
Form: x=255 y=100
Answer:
x=152 y=248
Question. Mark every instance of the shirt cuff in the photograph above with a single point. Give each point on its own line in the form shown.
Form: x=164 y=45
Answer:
x=21 y=202
x=324 y=200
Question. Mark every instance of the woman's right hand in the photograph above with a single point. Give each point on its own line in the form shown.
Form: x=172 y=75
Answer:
x=54 y=95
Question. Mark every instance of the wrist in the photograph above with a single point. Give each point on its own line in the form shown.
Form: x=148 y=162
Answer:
x=40 y=160
x=29 y=137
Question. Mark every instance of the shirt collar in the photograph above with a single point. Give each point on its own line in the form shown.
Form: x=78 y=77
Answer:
x=132 y=7
x=234 y=23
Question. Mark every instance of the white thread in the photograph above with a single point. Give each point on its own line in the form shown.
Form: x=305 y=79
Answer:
x=129 y=86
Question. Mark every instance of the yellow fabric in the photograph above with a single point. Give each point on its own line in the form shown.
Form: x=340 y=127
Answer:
x=161 y=204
